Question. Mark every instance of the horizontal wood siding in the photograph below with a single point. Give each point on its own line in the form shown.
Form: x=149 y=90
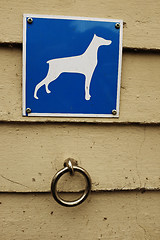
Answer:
x=116 y=157
x=140 y=94
x=141 y=18
x=122 y=215
x=121 y=155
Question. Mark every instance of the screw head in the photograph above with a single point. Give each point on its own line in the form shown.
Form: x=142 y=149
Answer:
x=29 y=20
x=117 y=25
x=28 y=110
x=114 y=111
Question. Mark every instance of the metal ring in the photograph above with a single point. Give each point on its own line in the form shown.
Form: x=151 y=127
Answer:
x=79 y=200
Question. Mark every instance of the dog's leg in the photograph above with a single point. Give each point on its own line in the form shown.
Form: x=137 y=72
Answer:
x=47 y=90
x=88 y=82
x=50 y=78
x=87 y=86
x=38 y=87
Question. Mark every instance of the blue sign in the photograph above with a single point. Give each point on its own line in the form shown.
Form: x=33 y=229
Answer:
x=71 y=66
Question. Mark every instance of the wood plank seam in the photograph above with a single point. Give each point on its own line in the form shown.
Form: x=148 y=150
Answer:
x=125 y=49
x=136 y=190
x=79 y=123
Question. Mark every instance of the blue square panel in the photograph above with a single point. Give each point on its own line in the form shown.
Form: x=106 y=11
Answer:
x=71 y=66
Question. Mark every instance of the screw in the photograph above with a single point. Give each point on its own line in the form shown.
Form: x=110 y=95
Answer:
x=117 y=25
x=28 y=110
x=114 y=111
x=29 y=20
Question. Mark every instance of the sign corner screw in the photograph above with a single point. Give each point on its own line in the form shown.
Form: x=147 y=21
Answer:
x=29 y=20
x=117 y=25
x=28 y=110
x=114 y=111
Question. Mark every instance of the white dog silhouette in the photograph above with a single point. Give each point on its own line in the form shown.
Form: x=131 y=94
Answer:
x=83 y=64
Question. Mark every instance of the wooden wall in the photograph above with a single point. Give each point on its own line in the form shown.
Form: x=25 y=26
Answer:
x=122 y=155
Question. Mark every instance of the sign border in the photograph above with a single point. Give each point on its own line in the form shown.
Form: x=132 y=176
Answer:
x=83 y=115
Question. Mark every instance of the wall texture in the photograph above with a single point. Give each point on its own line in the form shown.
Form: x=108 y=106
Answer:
x=122 y=155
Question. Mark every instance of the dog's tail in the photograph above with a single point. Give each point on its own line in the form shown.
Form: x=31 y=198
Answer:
x=50 y=61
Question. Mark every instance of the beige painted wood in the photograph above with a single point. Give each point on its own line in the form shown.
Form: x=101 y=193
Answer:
x=141 y=17
x=119 y=215
x=140 y=94
x=116 y=157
